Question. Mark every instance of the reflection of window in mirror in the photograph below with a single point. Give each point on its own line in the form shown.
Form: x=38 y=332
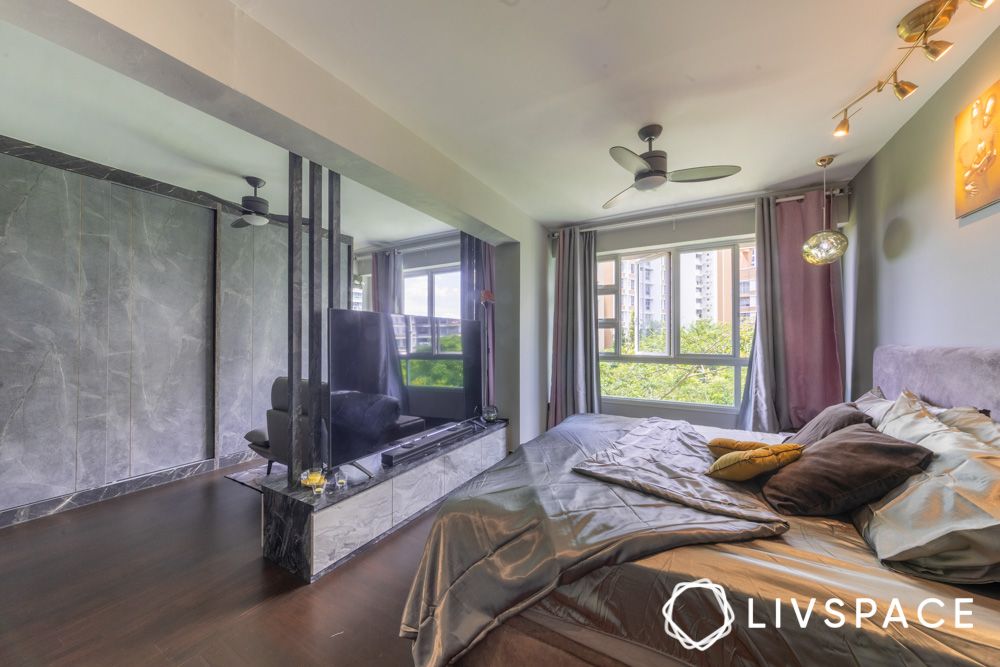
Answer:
x=433 y=292
x=447 y=287
x=415 y=294
x=361 y=292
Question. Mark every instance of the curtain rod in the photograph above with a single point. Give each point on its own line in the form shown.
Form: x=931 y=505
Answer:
x=658 y=219
x=834 y=192
x=426 y=243
x=737 y=203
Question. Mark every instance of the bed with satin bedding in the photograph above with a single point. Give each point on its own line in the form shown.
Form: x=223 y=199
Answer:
x=604 y=608
x=615 y=611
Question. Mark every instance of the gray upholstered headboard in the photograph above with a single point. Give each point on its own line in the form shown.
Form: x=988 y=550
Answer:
x=945 y=376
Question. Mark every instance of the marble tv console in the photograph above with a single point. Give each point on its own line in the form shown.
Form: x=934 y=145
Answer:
x=310 y=534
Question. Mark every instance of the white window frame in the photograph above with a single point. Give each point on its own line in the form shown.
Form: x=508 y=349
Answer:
x=431 y=272
x=674 y=356
x=435 y=353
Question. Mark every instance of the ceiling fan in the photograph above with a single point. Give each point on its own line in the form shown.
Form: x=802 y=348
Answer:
x=254 y=208
x=650 y=168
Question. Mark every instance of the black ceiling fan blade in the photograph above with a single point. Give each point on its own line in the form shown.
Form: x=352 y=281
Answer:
x=700 y=174
x=239 y=223
x=630 y=160
x=224 y=202
x=618 y=198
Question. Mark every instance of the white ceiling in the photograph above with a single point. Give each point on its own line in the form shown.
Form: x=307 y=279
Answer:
x=528 y=95
x=62 y=101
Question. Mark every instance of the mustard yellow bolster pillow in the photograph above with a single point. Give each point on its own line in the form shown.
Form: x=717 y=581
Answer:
x=722 y=446
x=741 y=465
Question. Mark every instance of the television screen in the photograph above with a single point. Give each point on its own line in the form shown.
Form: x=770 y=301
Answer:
x=393 y=376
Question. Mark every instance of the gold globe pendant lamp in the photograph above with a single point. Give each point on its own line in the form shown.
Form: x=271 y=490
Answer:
x=828 y=245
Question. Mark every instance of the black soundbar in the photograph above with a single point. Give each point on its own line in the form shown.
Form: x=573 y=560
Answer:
x=420 y=445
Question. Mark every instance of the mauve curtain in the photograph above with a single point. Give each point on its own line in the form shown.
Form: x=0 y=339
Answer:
x=387 y=281
x=576 y=385
x=799 y=322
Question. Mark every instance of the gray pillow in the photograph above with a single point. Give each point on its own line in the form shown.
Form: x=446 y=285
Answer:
x=874 y=404
x=843 y=471
x=829 y=421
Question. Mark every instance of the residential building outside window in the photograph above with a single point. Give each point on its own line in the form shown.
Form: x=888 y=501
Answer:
x=676 y=325
x=431 y=350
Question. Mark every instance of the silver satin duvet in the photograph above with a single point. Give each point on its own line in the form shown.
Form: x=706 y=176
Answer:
x=531 y=524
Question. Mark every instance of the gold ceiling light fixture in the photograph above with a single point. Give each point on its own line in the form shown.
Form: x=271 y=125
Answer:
x=934 y=49
x=827 y=245
x=915 y=29
x=902 y=89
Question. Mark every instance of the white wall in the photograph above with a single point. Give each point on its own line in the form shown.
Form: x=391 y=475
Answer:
x=208 y=54
x=916 y=274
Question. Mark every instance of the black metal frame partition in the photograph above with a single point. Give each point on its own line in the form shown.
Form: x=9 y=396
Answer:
x=313 y=455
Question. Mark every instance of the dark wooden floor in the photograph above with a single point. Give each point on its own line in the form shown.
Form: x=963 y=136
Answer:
x=174 y=576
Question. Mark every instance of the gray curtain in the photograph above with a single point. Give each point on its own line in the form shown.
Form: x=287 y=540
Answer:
x=387 y=281
x=576 y=385
x=765 y=398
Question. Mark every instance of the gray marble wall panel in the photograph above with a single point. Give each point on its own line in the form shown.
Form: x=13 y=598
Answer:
x=270 y=336
x=172 y=355
x=39 y=302
x=270 y=307
x=234 y=382
x=119 y=447
x=95 y=291
x=106 y=305
x=106 y=298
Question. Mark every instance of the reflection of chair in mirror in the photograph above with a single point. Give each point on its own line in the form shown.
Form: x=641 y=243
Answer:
x=274 y=445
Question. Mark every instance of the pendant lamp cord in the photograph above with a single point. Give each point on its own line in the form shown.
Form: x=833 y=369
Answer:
x=824 y=199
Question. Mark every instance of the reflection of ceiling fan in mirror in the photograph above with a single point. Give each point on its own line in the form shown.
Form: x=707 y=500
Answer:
x=254 y=208
x=650 y=168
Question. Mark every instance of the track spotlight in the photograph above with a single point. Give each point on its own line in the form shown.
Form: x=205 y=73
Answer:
x=935 y=48
x=843 y=127
x=902 y=89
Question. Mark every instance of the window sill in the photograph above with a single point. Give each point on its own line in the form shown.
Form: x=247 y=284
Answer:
x=697 y=407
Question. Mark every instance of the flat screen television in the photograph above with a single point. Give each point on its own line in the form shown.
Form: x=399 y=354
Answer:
x=430 y=367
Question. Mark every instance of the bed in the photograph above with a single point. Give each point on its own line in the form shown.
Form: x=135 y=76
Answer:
x=611 y=615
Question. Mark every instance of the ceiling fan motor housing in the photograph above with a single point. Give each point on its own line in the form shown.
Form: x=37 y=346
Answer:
x=657 y=176
x=256 y=204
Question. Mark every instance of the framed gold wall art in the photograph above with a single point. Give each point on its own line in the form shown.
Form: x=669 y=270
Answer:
x=977 y=169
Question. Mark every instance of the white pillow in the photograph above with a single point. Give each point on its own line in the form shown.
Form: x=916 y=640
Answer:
x=966 y=419
x=944 y=523
x=973 y=422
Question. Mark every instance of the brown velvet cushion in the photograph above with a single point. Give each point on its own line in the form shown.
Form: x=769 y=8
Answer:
x=829 y=421
x=843 y=471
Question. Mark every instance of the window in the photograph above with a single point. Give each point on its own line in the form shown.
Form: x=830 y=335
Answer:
x=430 y=351
x=433 y=292
x=416 y=296
x=361 y=292
x=677 y=324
